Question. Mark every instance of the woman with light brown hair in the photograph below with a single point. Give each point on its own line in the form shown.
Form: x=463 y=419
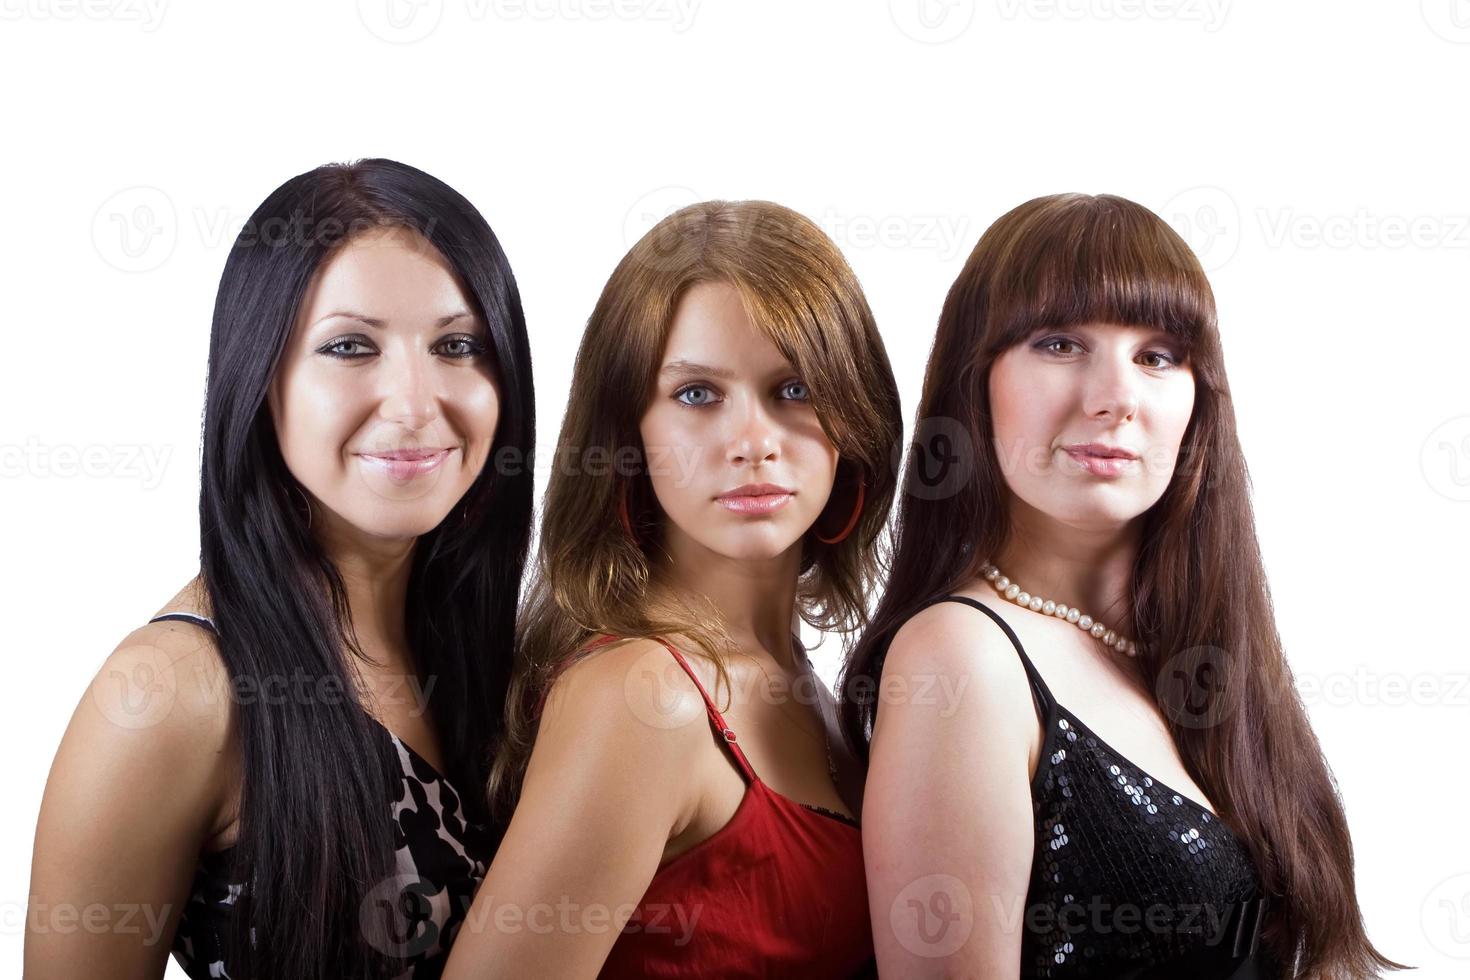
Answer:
x=684 y=802
x=1076 y=483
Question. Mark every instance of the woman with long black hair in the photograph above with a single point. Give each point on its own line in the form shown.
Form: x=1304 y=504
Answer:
x=282 y=774
x=1119 y=779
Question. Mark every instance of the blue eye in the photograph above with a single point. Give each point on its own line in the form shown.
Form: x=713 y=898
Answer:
x=693 y=390
x=335 y=348
x=466 y=345
x=800 y=387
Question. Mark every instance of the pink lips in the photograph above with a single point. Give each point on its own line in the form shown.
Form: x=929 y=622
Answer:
x=1099 y=460
x=755 y=499
x=401 y=465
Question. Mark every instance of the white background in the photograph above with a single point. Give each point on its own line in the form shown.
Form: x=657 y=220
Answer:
x=1313 y=153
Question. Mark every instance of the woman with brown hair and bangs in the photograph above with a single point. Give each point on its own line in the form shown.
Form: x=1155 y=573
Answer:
x=684 y=801
x=1090 y=549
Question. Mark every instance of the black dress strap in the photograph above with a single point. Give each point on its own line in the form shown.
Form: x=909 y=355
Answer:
x=184 y=617
x=1039 y=691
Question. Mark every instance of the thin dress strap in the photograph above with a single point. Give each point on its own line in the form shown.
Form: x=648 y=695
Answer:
x=184 y=617
x=716 y=720
x=1039 y=691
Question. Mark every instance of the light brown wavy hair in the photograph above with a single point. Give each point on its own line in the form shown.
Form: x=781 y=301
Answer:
x=591 y=576
x=1200 y=605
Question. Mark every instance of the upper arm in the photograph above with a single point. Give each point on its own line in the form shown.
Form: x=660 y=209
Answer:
x=135 y=786
x=947 y=814
x=607 y=782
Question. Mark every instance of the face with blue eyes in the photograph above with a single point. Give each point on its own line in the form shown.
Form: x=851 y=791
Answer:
x=1089 y=419
x=737 y=458
x=385 y=402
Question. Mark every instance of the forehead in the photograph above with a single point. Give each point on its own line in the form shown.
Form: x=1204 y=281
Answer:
x=712 y=327
x=387 y=274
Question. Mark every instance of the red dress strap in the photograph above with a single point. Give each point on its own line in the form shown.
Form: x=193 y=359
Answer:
x=715 y=718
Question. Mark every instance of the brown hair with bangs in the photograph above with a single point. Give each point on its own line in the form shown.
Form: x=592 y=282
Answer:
x=1198 y=583
x=591 y=577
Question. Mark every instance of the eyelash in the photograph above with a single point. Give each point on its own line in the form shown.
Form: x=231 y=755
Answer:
x=677 y=396
x=476 y=347
x=1045 y=344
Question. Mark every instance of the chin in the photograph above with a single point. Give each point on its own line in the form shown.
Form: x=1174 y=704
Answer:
x=398 y=523
x=742 y=545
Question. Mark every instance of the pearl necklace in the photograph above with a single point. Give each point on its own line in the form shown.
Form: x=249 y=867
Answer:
x=1071 y=614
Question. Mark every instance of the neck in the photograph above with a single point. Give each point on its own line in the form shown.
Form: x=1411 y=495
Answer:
x=1086 y=568
x=756 y=597
x=375 y=573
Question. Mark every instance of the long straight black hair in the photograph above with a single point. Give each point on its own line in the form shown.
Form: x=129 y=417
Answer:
x=315 y=835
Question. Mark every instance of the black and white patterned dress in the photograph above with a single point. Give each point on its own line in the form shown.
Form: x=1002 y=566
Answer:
x=442 y=853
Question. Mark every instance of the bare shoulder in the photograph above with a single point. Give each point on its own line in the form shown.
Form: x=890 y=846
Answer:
x=631 y=691
x=165 y=680
x=957 y=638
x=951 y=672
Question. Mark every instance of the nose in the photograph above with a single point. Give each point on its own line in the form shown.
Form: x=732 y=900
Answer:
x=409 y=393
x=1111 y=391
x=754 y=436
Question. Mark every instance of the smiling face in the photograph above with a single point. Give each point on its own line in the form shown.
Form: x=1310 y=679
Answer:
x=385 y=402
x=736 y=455
x=1108 y=387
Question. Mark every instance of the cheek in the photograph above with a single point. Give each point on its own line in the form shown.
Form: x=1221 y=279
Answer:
x=316 y=411
x=478 y=403
x=1021 y=410
x=672 y=455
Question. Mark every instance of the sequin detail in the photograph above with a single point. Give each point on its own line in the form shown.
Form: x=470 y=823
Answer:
x=1127 y=876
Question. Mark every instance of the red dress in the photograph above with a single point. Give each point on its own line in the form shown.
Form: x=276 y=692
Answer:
x=779 y=891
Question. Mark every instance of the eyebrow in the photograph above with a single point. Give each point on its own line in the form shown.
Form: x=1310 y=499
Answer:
x=681 y=368
x=443 y=321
